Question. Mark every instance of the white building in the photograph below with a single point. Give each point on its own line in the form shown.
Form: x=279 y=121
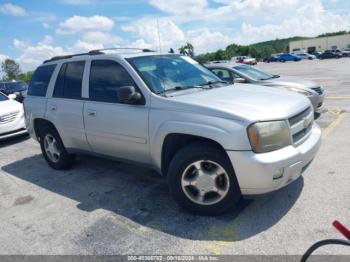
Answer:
x=321 y=43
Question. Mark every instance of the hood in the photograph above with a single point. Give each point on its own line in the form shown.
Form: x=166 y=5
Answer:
x=10 y=106
x=290 y=81
x=242 y=102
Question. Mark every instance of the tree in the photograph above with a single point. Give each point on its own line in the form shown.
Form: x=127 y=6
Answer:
x=187 y=50
x=26 y=76
x=10 y=69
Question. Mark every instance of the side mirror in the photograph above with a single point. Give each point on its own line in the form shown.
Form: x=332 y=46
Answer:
x=129 y=95
x=239 y=80
x=12 y=96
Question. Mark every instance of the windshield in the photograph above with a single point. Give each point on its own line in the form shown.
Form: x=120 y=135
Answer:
x=253 y=73
x=171 y=72
x=15 y=86
x=3 y=97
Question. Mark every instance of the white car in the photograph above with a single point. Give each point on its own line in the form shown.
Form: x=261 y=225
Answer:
x=303 y=55
x=11 y=117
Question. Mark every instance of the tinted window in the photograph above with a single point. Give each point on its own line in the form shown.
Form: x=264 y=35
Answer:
x=15 y=86
x=69 y=80
x=2 y=97
x=58 y=91
x=40 y=80
x=106 y=77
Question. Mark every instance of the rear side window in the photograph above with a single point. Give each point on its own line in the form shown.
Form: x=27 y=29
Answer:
x=40 y=80
x=106 y=77
x=69 y=80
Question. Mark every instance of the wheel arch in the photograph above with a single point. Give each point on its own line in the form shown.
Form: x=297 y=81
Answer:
x=173 y=142
x=39 y=124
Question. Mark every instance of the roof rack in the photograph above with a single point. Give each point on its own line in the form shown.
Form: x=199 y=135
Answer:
x=97 y=52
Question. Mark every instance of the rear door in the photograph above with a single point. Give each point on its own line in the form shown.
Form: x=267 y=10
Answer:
x=65 y=107
x=113 y=128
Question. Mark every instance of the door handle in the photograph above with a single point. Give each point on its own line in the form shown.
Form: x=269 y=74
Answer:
x=53 y=108
x=91 y=112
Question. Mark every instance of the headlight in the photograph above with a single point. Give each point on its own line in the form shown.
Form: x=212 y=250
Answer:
x=300 y=91
x=269 y=136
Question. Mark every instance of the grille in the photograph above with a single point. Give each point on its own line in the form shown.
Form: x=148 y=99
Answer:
x=8 y=117
x=301 y=125
x=318 y=90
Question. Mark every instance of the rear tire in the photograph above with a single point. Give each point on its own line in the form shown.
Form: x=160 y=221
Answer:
x=53 y=149
x=202 y=181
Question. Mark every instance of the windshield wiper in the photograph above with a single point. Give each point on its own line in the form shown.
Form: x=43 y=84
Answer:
x=271 y=77
x=210 y=83
x=176 y=88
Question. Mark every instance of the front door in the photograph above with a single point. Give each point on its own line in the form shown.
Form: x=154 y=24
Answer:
x=113 y=128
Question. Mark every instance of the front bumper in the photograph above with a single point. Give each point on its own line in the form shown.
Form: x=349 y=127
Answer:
x=255 y=171
x=320 y=104
x=14 y=128
x=317 y=102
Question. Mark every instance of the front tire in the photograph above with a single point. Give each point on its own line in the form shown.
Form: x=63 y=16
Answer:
x=202 y=181
x=53 y=149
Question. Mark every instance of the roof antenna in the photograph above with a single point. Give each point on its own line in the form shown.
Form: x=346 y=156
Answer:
x=159 y=42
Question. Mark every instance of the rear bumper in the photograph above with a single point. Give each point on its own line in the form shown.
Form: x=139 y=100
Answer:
x=255 y=171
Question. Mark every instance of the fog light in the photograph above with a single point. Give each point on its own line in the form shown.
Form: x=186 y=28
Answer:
x=278 y=173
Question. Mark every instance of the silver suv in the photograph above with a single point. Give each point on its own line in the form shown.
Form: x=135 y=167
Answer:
x=214 y=143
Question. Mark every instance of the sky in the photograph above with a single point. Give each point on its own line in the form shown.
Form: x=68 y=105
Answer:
x=32 y=31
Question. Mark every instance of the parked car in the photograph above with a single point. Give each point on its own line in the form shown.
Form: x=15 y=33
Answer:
x=272 y=58
x=330 y=54
x=346 y=52
x=11 y=117
x=316 y=54
x=244 y=60
x=303 y=55
x=232 y=72
x=19 y=88
x=288 y=57
x=214 y=143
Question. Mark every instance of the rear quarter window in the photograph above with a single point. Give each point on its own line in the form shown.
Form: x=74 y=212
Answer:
x=40 y=80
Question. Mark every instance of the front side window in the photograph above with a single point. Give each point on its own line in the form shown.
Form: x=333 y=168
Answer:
x=40 y=80
x=253 y=73
x=69 y=80
x=106 y=77
x=166 y=72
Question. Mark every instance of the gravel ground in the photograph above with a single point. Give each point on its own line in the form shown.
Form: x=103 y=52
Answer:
x=106 y=207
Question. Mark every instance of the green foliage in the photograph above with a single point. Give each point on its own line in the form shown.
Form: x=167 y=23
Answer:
x=334 y=33
x=187 y=49
x=10 y=69
x=26 y=76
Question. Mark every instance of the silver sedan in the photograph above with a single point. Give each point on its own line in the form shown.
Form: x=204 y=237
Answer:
x=233 y=72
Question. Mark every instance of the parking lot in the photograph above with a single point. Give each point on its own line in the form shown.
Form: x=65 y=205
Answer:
x=106 y=207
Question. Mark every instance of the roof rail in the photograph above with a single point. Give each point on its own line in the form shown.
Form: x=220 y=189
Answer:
x=121 y=48
x=55 y=58
x=96 y=52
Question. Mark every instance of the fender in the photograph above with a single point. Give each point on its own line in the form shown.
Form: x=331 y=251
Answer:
x=218 y=134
